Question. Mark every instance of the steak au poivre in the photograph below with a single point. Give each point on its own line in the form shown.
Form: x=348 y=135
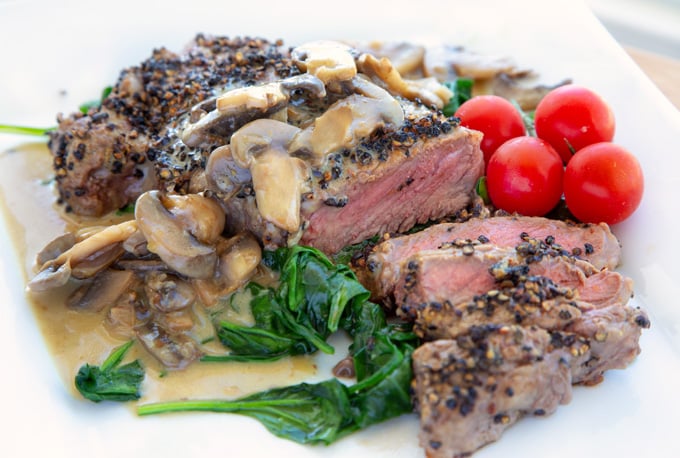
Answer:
x=238 y=145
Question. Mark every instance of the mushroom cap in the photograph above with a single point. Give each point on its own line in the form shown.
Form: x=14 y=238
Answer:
x=52 y=275
x=427 y=90
x=347 y=121
x=330 y=61
x=171 y=241
x=257 y=136
x=102 y=291
x=238 y=260
x=223 y=174
x=95 y=252
x=201 y=216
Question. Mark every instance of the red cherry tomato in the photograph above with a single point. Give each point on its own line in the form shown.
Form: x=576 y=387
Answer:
x=524 y=175
x=603 y=183
x=495 y=117
x=573 y=116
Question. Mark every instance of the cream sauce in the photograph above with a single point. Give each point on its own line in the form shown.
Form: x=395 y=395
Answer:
x=75 y=337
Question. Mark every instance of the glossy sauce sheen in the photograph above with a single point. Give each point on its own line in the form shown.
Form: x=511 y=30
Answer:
x=75 y=338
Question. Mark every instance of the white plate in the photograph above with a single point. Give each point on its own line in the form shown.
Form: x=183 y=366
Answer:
x=54 y=56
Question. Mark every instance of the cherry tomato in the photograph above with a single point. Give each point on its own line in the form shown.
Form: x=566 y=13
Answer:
x=603 y=183
x=573 y=116
x=495 y=117
x=524 y=175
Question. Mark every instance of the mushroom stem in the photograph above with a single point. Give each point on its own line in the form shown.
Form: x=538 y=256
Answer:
x=277 y=181
x=98 y=241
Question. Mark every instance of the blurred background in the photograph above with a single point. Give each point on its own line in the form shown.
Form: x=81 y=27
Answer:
x=650 y=25
x=650 y=31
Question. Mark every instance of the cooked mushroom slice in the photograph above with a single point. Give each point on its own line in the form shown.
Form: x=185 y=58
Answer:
x=174 y=351
x=265 y=98
x=521 y=88
x=234 y=109
x=279 y=181
x=330 y=61
x=92 y=252
x=168 y=293
x=406 y=57
x=51 y=276
x=254 y=138
x=167 y=237
x=347 y=121
x=56 y=247
x=121 y=318
x=278 y=178
x=97 y=262
x=201 y=216
x=136 y=244
x=239 y=106
x=427 y=90
x=176 y=322
x=306 y=82
x=268 y=98
x=445 y=63
x=102 y=291
x=100 y=240
x=239 y=259
x=223 y=174
x=147 y=263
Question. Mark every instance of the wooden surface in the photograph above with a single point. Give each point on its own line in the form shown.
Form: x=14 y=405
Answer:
x=662 y=70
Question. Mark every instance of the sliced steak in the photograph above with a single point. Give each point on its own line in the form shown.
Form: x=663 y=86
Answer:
x=381 y=186
x=613 y=333
x=594 y=243
x=468 y=390
x=457 y=274
x=519 y=298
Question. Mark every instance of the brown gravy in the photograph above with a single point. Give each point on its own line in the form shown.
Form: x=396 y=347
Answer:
x=75 y=338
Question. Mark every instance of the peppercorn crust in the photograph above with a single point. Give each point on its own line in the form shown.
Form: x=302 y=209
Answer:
x=107 y=157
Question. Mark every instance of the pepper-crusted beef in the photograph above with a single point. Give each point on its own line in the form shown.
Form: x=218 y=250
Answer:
x=611 y=328
x=591 y=242
x=425 y=170
x=387 y=180
x=507 y=330
x=106 y=158
x=468 y=390
x=459 y=272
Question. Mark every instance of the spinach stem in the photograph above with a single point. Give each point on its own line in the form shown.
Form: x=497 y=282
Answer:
x=25 y=130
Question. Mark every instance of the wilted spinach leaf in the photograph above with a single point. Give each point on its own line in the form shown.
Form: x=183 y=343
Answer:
x=110 y=381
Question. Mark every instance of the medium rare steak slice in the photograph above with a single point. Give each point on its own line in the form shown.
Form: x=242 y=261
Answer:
x=458 y=273
x=613 y=333
x=516 y=297
x=504 y=336
x=390 y=190
x=467 y=391
x=469 y=388
x=594 y=243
